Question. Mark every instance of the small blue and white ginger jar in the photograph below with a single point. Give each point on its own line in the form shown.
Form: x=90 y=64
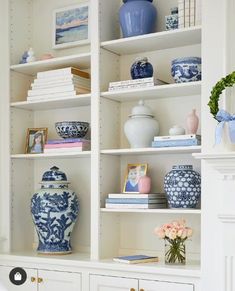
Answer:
x=186 y=69
x=54 y=209
x=141 y=68
x=183 y=187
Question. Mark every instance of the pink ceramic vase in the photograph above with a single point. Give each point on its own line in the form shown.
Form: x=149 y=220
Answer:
x=144 y=185
x=192 y=122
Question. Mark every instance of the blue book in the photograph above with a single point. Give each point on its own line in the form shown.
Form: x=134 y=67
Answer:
x=66 y=140
x=135 y=259
x=134 y=200
x=176 y=143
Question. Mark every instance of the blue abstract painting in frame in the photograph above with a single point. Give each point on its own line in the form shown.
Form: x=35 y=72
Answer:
x=71 y=26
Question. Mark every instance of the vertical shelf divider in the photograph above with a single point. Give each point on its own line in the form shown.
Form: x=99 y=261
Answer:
x=95 y=131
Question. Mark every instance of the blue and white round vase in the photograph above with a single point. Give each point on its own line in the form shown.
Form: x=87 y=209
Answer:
x=186 y=69
x=54 y=209
x=141 y=68
x=183 y=187
x=137 y=17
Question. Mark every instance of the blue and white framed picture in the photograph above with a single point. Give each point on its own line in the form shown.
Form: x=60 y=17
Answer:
x=71 y=26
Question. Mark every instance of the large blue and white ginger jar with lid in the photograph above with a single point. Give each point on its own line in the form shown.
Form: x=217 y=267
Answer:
x=183 y=187
x=54 y=209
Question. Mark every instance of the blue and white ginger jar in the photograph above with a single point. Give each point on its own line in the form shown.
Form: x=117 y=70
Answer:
x=54 y=209
x=186 y=69
x=183 y=187
x=141 y=68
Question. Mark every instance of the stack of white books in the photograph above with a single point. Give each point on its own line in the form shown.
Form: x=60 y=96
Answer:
x=137 y=83
x=60 y=83
x=189 y=13
x=136 y=201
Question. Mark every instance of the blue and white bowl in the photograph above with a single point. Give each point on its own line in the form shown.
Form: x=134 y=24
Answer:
x=186 y=69
x=183 y=187
x=72 y=129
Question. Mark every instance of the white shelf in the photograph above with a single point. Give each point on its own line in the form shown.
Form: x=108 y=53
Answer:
x=149 y=151
x=154 y=41
x=80 y=60
x=154 y=211
x=82 y=260
x=160 y=91
x=49 y=156
x=80 y=100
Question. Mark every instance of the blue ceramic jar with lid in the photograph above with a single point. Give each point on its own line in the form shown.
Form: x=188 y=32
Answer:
x=54 y=208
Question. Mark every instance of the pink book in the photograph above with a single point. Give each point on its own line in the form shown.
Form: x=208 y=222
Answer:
x=65 y=145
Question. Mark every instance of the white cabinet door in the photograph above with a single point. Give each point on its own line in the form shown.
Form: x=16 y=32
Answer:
x=145 y=285
x=108 y=283
x=58 y=281
x=29 y=285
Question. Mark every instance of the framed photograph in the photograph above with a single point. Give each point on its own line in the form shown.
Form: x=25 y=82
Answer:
x=134 y=172
x=35 y=141
x=71 y=26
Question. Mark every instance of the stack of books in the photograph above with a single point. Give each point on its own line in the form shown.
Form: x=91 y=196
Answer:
x=189 y=13
x=66 y=145
x=136 y=201
x=133 y=84
x=60 y=83
x=176 y=141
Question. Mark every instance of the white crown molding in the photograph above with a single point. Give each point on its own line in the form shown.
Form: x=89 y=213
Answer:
x=224 y=162
x=227 y=218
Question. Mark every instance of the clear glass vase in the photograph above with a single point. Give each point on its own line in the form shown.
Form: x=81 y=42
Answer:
x=175 y=251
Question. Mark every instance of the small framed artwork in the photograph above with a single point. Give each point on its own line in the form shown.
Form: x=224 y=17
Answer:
x=35 y=140
x=134 y=172
x=71 y=26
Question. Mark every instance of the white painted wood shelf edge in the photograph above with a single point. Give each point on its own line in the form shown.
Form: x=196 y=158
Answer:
x=160 y=91
x=55 y=155
x=79 y=100
x=82 y=60
x=80 y=260
x=153 y=211
x=167 y=150
x=154 y=41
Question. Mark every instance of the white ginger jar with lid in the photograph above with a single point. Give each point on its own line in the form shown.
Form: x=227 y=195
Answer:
x=141 y=127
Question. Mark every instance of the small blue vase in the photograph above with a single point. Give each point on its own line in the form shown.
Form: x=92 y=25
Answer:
x=137 y=17
x=183 y=187
x=141 y=68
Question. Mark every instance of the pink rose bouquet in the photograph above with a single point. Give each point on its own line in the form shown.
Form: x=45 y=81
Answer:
x=175 y=234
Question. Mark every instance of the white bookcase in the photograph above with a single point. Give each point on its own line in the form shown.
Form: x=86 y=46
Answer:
x=100 y=233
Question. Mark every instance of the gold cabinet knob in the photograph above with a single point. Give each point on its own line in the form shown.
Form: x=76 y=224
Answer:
x=141 y=289
x=132 y=289
x=33 y=279
x=40 y=280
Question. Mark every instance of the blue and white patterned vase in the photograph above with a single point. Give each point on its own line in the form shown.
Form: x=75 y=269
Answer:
x=141 y=68
x=172 y=20
x=186 y=69
x=137 y=17
x=183 y=187
x=54 y=209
